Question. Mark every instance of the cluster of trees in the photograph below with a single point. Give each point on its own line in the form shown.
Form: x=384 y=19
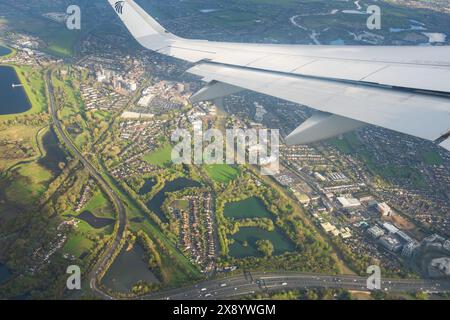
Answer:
x=142 y=287
x=265 y=247
x=356 y=261
x=37 y=120
x=153 y=258
x=307 y=294
x=262 y=223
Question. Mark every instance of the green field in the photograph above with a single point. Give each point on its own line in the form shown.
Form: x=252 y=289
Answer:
x=77 y=244
x=161 y=157
x=432 y=158
x=99 y=206
x=222 y=173
x=28 y=137
x=28 y=184
x=401 y=172
x=247 y=209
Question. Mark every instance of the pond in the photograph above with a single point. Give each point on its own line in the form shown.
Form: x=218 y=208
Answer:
x=128 y=269
x=12 y=99
x=5 y=274
x=173 y=186
x=249 y=208
x=93 y=221
x=251 y=235
x=54 y=155
x=147 y=187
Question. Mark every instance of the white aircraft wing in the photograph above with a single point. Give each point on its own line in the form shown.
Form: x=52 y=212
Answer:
x=406 y=89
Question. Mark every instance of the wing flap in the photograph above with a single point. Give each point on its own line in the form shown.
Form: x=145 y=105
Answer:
x=423 y=116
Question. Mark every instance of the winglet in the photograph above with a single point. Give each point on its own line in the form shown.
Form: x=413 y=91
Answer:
x=146 y=30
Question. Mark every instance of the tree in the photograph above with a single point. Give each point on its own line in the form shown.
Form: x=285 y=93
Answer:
x=265 y=247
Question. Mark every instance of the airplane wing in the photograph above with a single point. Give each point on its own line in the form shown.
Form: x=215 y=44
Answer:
x=406 y=89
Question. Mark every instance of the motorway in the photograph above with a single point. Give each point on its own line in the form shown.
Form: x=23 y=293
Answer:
x=248 y=284
x=121 y=211
x=234 y=286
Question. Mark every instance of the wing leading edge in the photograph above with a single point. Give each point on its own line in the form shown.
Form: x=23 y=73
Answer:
x=406 y=89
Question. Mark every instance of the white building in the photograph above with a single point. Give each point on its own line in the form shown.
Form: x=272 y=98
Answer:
x=384 y=209
x=390 y=228
x=376 y=232
x=349 y=202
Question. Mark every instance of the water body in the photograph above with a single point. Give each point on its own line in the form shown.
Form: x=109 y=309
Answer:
x=147 y=187
x=411 y=28
x=337 y=42
x=208 y=10
x=128 y=269
x=251 y=235
x=12 y=100
x=54 y=154
x=5 y=274
x=176 y=185
x=250 y=208
x=93 y=221
x=4 y=51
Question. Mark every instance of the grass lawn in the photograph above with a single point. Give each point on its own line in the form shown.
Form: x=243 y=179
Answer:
x=161 y=157
x=8 y=153
x=28 y=185
x=77 y=244
x=99 y=206
x=222 y=173
x=35 y=172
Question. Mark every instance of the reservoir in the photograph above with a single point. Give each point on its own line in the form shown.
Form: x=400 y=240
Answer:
x=12 y=99
x=4 y=51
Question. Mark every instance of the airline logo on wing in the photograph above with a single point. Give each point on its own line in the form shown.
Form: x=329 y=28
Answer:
x=119 y=6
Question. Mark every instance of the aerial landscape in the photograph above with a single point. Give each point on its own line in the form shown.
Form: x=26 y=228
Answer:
x=87 y=176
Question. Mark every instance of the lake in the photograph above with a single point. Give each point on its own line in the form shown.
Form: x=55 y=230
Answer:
x=5 y=273
x=12 y=100
x=173 y=186
x=250 y=208
x=147 y=187
x=280 y=241
x=93 y=221
x=4 y=51
x=127 y=269
x=54 y=155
